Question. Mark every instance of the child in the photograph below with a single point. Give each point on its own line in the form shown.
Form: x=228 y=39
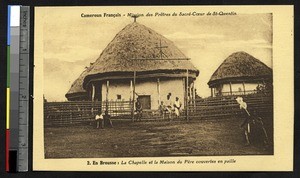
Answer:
x=162 y=109
x=99 y=120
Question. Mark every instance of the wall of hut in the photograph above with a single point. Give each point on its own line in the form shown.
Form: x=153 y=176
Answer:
x=156 y=89
x=236 y=88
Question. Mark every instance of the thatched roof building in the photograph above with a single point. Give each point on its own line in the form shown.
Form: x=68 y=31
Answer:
x=135 y=48
x=137 y=53
x=240 y=68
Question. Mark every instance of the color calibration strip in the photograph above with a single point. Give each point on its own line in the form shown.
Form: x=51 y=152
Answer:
x=17 y=89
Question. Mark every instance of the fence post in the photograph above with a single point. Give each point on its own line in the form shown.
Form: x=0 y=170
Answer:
x=107 y=90
x=230 y=88
x=133 y=97
x=158 y=91
x=194 y=97
x=187 y=94
x=244 y=88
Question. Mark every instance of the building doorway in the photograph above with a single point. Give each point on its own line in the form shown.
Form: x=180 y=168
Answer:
x=145 y=101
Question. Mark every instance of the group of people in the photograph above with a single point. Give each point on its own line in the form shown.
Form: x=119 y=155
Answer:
x=170 y=107
x=103 y=120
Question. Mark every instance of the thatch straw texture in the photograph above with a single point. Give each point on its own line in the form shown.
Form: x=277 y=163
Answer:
x=240 y=65
x=76 y=87
x=131 y=47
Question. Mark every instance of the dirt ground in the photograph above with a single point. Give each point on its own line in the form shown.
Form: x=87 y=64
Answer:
x=150 y=139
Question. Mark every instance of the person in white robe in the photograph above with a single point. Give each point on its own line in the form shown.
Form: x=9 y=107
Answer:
x=177 y=107
x=246 y=115
x=169 y=106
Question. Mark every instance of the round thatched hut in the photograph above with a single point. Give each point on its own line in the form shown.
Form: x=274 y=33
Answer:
x=239 y=74
x=141 y=61
x=76 y=92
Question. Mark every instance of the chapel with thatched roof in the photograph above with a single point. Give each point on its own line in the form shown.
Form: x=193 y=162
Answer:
x=239 y=74
x=141 y=63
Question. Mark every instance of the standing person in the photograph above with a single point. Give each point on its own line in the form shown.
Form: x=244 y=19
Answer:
x=162 y=109
x=247 y=119
x=99 y=120
x=107 y=120
x=177 y=106
x=169 y=105
x=138 y=110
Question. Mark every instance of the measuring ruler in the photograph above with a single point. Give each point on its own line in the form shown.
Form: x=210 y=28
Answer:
x=17 y=89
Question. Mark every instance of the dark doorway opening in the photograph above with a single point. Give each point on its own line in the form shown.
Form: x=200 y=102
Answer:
x=145 y=101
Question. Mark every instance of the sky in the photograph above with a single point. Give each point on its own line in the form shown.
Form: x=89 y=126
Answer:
x=72 y=42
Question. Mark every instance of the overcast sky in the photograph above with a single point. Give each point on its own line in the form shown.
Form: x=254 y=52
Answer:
x=72 y=42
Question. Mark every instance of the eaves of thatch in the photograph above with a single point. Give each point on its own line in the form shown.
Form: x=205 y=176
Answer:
x=77 y=89
x=241 y=67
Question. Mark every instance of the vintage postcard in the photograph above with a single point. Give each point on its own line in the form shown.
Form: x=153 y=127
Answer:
x=163 y=88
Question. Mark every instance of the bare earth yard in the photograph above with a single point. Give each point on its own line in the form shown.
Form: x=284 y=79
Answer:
x=150 y=139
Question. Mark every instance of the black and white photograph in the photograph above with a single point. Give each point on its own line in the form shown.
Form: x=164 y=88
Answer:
x=155 y=82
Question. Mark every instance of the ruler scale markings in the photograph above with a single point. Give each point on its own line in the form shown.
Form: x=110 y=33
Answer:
x=17 y=88
x=23 y=89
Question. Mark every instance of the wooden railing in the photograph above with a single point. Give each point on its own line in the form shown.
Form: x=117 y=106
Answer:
x=226 y=106
x=76 y=112
x=243 y=93
x=79 y=112
x=239 y=93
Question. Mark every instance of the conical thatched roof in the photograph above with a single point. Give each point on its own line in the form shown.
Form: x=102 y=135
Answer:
x=243 y=67
x=76 y=87
x=131 y=50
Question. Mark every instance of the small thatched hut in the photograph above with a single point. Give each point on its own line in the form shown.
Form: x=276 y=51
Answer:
x=76 y=92
x=141 y=61
x=239 y=74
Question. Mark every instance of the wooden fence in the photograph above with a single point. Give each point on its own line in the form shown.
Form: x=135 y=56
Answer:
x=226 y=106
x=78 y=112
